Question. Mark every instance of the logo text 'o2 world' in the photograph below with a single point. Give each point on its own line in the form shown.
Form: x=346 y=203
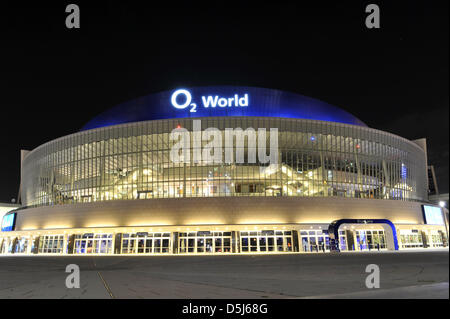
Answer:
x=182 y=99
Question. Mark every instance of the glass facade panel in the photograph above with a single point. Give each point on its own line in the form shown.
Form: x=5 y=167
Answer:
x=314 y=241
x=51 y=244
x=204 y=242
x=145 y=243
x=370 y=239
x=132 y=161
x=93 y=244
x=266 y=241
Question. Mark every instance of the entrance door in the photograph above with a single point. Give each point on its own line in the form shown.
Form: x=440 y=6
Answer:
x=313 y=244
x=320 y=243
x=200 y=245
x=209 y=245
x=305 y=244
x=204 y=242
x=145 y=243
x=266 y=241
x=315 y=241
x=361 y=241
x=370 y=239
x=253 y=241
x=262 y=244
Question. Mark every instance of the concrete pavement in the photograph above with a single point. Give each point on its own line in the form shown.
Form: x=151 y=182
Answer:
x=414 y=274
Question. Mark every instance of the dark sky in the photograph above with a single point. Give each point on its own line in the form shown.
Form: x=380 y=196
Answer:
x=53 y=80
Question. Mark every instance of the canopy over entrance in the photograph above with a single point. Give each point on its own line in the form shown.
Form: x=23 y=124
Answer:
x=388 y=226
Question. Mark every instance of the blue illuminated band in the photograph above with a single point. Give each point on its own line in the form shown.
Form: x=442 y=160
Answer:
x=222 y=101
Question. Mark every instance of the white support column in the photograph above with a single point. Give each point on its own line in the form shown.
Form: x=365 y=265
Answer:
x=389 y=237
x=30 y=244
x=65 y=241
x=8 y=240
x=113 y=243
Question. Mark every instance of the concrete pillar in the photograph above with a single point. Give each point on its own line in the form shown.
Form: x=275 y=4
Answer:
x=350 y=239
x=425 y=242
x=389 y=235
x=7 y=242
x=295 y=243
x=235 y=242
x=399 y=238
x=71 y=244
x=117 y=243
x=174 y=243
x=65 y=241
x=14 y=244
x=29 y=244
x=36 y=244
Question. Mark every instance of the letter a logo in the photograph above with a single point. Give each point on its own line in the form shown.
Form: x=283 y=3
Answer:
x=73 y=280
x=73 y=19
x=373 y=280
x=373 y=19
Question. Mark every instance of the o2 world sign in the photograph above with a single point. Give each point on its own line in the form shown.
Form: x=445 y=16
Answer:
x=182 y=99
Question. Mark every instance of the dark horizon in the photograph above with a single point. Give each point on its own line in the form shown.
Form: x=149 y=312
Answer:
x=54 y=80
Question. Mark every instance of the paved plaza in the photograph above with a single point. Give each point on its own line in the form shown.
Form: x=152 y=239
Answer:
x=412 y=274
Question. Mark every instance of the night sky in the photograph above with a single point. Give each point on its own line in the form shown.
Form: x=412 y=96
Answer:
x=53 y=80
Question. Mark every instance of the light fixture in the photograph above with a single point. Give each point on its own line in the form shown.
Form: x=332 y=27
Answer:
x=442 y=203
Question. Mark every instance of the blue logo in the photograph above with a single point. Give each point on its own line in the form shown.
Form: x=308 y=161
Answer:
x=9 y=222
x=182 y=99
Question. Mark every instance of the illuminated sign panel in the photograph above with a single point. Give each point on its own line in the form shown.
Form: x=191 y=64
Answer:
x=182 y=99
x=432 y=215
x=9 y=222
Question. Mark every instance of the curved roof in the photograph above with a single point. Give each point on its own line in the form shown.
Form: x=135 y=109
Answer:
x=259 y=102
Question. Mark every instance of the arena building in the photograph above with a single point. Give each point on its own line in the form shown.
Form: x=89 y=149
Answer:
x=223 y=170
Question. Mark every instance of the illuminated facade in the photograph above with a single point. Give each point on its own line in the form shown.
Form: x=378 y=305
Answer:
x=132 y=161
x=114 y=188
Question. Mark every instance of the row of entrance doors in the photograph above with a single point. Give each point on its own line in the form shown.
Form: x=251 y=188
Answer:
x=226 y=242
x=213 y=242
x=318 y=241
x=205 y=242
x=209 y=242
